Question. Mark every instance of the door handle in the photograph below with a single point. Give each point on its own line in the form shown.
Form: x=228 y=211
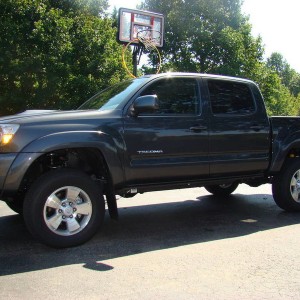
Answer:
x=198 y=128
x=256 y=127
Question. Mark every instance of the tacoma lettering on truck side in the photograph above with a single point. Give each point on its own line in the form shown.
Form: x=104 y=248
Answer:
x=157 y=132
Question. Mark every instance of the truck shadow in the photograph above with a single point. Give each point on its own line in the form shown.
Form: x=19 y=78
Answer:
x=145 y=228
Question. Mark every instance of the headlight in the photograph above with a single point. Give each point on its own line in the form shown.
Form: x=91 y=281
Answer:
x=7 y=132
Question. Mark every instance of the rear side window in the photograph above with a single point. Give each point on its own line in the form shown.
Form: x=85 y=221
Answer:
x=229 y=97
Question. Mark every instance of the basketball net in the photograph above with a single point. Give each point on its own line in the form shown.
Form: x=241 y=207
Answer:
x=144 y=41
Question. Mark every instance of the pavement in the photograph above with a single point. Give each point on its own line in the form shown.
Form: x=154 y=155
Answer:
x=180 y=244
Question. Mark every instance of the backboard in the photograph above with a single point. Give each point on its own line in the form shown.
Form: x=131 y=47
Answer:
x=136 y=23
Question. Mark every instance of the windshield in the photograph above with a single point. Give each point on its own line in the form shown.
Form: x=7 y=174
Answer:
x=111 y=97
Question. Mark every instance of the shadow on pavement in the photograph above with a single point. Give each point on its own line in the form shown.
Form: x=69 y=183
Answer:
x=143 y=229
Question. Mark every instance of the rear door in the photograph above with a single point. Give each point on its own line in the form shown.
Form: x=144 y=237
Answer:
x=239 y=128
x=172 y=143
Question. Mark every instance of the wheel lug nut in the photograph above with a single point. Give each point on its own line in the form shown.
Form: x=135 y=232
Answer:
x=63 y=217
x=71 y=216
x=60 y=211
x=74 y=209
x=64 y=204
x=70 y=203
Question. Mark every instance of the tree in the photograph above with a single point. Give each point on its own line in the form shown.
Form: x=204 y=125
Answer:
x=289 y=77
x=207 y=36
x=278 y=99
x=55 y=54
x=213 y=36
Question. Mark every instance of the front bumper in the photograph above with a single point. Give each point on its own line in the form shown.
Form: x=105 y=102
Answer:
x=13 y=168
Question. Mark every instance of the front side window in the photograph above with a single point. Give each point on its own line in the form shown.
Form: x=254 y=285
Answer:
x=113 y=96
x=229 y=97
x=175 y=95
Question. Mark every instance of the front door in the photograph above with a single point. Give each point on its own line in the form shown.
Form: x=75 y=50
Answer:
x=171 y=143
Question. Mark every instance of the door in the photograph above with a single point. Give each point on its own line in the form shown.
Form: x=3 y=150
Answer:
x=239 y=136
x=171 y=143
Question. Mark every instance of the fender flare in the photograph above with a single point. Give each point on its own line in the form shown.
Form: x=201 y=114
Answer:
x=281 y=149
x=65 y=140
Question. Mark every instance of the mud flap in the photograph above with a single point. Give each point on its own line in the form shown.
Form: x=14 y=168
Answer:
x=111 y=202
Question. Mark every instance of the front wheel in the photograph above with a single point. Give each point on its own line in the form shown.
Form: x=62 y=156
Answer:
x=286 y=187
x=64 y=208
x=222 y=189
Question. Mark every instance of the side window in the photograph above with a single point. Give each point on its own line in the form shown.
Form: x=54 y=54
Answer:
x=228 y=97
x=175 y=95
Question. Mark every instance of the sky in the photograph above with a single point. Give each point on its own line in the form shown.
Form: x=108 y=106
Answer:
x=276 y=21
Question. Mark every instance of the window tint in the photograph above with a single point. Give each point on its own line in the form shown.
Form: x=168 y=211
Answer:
x=230 y=97
x=175 y=95
x=111 y=97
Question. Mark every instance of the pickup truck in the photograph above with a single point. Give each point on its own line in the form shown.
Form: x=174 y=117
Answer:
x=168 y=131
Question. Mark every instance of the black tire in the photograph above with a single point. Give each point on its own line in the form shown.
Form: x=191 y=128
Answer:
x=286 y=186
x=222 y=189
x=64 y=208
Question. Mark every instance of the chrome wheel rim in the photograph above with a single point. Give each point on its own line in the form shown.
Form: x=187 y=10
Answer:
x=67 y=211
x=295 y=186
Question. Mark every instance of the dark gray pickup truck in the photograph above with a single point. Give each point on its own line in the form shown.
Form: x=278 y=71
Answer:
x=158 y=132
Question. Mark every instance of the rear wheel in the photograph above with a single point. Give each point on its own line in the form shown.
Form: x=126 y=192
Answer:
x=64 y=208
x=222 y=189
x=286 y=187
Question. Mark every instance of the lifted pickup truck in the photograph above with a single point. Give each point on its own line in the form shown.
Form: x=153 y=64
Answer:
x=157 y=132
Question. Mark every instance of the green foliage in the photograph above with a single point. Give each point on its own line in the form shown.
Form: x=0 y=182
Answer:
x=278 y=98
x=213 y=36
x=207 y=36
x=282 y=86
x=55 y=54
x=289 y=77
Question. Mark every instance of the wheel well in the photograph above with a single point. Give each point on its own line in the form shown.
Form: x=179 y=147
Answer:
x=87 y=160
x=293 y=153
x=278 y=166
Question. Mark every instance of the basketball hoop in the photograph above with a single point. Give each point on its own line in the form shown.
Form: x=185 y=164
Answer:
x=145 y=39
x=142 y=29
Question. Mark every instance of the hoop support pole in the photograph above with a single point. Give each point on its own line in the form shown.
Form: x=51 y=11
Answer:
x=136 y=56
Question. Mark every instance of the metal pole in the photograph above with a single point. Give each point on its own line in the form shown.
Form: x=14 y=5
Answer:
x=136 y=56
x=134 y=61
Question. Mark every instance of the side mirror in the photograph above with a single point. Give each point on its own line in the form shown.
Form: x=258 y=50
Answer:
x=145 y=104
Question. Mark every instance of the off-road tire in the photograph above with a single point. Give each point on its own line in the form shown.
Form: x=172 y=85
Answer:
x=222 y=189
x=64 y=208
x=286 y=186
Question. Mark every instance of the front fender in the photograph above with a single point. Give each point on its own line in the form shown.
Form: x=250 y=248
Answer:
x=65 y=140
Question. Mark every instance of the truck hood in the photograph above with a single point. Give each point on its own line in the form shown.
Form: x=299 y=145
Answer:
x=26 y=114
x=31 y=116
